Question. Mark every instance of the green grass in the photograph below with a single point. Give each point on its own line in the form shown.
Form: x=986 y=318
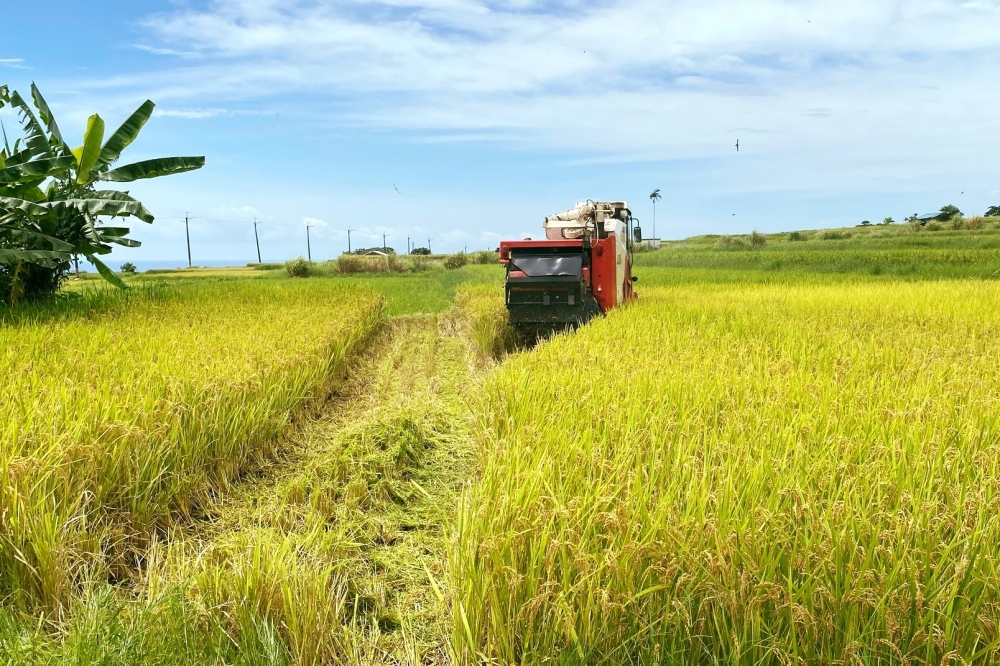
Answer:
x=430 y=292
x=424 y=292
x=878 y=253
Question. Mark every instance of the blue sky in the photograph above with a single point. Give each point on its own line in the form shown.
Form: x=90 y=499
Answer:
x=488 y=115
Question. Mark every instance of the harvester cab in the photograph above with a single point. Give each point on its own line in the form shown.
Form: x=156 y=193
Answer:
x=581 y=269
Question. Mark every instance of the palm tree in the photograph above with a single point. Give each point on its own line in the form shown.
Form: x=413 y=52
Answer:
x=653 y=196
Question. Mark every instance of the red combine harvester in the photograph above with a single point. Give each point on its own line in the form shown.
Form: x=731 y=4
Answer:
x=582 y=269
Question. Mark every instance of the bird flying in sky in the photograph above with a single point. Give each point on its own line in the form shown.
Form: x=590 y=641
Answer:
x=397 y=189
x=737 y=145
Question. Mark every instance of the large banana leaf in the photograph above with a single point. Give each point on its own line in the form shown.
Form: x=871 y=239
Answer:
x=28 y=190
x=92 y=207
x=124 y=242
x=35 y=139
x=19 y=156
x=50 y=166
x=92 y=140
x=27 y=207
x=113 y=232
x=46 y=258
x=27 y=236
x=163 y=166
x=124 y=135
x=116 y=235
x=50 y=121
x=114 y=195
x=111 y=207
x=106 y=272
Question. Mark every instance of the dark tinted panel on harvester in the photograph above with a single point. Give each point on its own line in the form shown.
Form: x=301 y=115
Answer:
x=535 y=266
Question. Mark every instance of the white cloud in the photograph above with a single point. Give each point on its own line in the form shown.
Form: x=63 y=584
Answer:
x=191 y=114
x=827 y=99
x=200 y=114
x=313 y=222
x=639 y=79
x=163 y=51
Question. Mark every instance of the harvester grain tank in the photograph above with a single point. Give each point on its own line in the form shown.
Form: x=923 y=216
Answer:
x=582 y=268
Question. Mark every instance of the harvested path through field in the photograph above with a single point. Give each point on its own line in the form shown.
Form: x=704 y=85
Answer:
x=328 y=555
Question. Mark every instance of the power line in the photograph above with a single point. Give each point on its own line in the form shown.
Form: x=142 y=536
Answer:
x=188 y=218
x=218 y=219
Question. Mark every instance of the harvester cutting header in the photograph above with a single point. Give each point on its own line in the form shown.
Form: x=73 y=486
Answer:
x=582 y=269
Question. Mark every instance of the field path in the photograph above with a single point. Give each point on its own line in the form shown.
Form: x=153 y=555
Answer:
x=335 y=543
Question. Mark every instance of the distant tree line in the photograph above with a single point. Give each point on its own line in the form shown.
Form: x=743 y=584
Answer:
x=370 y=250
x=947 y=213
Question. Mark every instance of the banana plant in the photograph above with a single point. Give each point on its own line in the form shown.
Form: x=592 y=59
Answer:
x=50 y=205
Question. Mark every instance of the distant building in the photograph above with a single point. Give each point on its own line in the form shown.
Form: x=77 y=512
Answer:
x=652 y=243
x=926 y=217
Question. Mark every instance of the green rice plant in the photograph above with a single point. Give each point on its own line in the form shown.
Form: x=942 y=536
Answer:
x=834 y=234
x=393 y=263
x=298 y=268
x=483 y=257
x=456 y=260
x=482 y=309
x=419 y=263
x=121 y=413
x=348 y=264
x=102 y=628
x=742 y=474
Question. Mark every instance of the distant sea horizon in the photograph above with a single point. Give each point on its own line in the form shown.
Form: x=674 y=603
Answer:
x=143 y=265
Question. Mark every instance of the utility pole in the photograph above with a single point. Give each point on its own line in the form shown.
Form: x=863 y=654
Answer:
x=349 y=241
x=407 y=245
x=429 y=245
x=309 y=253
x=187 y=233
x=256 y=238
x=383 y=242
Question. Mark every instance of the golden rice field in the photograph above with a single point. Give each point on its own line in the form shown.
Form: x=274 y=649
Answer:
x=126 y=412
x=729 y=471
x=742 y=474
